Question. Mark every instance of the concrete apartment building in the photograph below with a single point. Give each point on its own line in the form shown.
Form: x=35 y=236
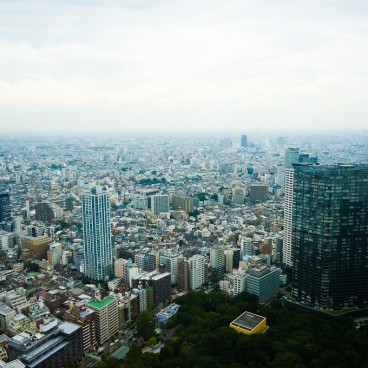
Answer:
x=107 y=318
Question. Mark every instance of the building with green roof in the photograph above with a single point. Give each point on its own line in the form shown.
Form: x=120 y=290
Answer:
x=107 y=318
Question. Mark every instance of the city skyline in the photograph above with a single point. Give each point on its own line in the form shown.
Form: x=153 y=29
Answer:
x=102 y=230
x=126 y=66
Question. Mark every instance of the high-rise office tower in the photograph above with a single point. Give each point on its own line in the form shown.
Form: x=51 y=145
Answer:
x=244 y=141
x=97 y=246
x=160 y=203
x=330 y=235
x=292 y=156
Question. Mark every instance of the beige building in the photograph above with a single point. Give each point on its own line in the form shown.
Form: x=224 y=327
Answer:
x=35 y=247
x=6 y=315
x=120 y=268
x=107 y=318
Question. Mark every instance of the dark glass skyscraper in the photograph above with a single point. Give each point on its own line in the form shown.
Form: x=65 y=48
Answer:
x=5 y=213
x=244 y=141
x=330 y=235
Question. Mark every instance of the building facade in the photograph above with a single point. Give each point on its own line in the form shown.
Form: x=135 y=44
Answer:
x=107 y=318
x=330 y=235
x=264 y=282
x=60 y=347
x=183 y=274
x=217 y=262
x=196 y=272
x=97 y=246
x=292 y=156
x=5 y=213
x=160 y=203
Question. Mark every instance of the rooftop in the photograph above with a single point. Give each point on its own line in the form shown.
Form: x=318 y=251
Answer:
x=248 y=321
x=4 y=309
x=68 y=327
x=101 y=304
x=13 y=364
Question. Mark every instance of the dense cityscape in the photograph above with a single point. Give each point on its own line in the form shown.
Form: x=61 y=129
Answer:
x=115 y=248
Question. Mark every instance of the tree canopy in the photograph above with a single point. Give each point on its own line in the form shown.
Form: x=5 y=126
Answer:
x=295 y=338
x=146 y=325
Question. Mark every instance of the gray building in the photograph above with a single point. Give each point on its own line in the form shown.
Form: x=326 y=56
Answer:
x=58 y=347
x=264 y=282
x=258 y=193
x=160 y=203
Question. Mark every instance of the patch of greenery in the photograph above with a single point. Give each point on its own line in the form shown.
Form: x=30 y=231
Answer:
x=295 y=338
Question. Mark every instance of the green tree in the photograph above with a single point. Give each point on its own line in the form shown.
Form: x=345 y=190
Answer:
x=152 y=341
x=146 y=325
x=134 y=357
x=63 y=224
x=202 y=196
x=33 y=267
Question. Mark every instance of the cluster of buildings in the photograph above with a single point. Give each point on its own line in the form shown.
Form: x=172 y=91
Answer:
x=151 y=219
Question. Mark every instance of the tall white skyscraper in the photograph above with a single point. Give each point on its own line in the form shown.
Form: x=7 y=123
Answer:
x=97 y=247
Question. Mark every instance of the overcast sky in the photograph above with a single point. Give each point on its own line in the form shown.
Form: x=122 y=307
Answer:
x=189 y=64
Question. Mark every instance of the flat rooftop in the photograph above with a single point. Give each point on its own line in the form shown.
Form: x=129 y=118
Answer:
x=68 y=327
x=100 y=304
x=248 y=321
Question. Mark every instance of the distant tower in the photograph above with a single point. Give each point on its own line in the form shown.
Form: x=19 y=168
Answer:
x=244 y=141
x=97 y=246
x=5 y=214
x=330 y=235
x=28 y=211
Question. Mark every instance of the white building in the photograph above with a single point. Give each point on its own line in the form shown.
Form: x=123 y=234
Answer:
x=196 y=272
x=54 y=254
x=171 y=265
x=240 y=284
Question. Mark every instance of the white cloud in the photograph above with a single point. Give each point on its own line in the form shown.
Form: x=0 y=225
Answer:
x=196 y=63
